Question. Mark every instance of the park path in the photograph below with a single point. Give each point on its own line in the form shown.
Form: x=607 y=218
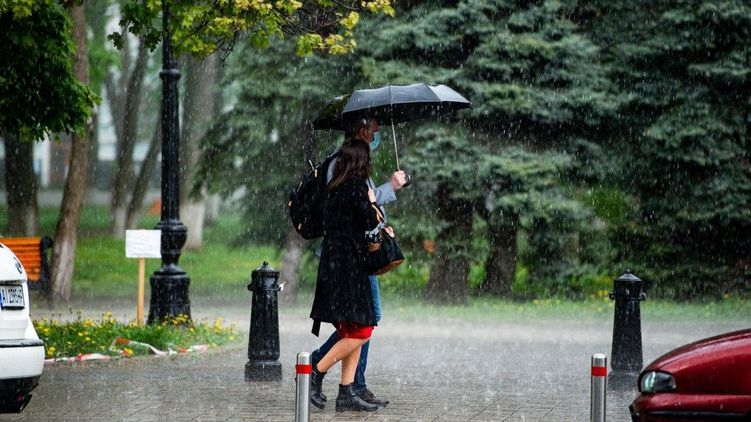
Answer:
x=440 y=368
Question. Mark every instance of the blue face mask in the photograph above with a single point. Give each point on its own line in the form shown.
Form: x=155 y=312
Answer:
x=376 y=141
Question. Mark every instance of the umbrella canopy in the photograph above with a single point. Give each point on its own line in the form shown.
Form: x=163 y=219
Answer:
x=391 y=104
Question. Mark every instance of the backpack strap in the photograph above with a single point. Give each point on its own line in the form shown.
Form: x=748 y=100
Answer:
x=327 y=163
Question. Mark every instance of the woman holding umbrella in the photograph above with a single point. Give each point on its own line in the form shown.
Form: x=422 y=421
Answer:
x=343 y=292
x=365 y=127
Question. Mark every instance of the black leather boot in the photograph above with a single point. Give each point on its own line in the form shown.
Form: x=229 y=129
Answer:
x=314 y=364
x=369 y=397
x=316 y=383
x=348 y=400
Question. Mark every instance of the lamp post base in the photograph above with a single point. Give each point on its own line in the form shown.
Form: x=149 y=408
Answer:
x=263 y=370
x=623 y=380
x=169 y=296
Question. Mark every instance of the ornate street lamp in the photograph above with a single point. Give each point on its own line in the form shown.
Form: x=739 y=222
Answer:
x=169 y=284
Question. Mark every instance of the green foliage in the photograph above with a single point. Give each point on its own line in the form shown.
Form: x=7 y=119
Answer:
x=407 y=280
x=67 y=339
x=539 y=89
x=521 y=66
x=203 y=27
x=691 y=168
x=580 y=283
x=101 y=58
x=607 y=135
x=18 y=8
x=261 y=144
x=39 y=93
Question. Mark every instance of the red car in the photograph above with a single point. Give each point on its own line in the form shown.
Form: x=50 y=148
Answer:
x=709 y=380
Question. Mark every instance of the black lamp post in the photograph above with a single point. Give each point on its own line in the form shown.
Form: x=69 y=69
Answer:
x=169 y=284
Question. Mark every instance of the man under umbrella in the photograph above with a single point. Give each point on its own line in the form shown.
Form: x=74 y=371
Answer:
x=364 y=128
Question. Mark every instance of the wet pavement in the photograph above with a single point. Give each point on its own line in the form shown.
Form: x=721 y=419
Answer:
x=435 y=369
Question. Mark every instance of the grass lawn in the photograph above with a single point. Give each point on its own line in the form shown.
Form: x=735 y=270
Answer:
x=102 y=272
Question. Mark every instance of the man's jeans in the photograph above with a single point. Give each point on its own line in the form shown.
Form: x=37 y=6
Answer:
x=333 y=338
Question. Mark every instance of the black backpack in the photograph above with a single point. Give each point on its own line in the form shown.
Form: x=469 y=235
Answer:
x=306 y=201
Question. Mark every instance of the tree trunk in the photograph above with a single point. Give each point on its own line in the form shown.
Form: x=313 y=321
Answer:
x=135 y=206
x=447 y=283
x=500 y=267
x=116 y=89
x=96 y=22
x=291 y=263
x=124 y=159
x=198 y=109
x=214 y=201
x=20 y=187
x=74 y=192
x=213 y=206
x=93 y=166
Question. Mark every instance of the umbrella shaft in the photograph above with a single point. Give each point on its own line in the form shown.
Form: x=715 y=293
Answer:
x=396 y=153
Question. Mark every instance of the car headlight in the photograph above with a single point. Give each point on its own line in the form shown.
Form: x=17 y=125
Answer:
x=656 y=382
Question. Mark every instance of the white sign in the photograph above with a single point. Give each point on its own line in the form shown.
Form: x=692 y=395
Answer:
x=143 y=243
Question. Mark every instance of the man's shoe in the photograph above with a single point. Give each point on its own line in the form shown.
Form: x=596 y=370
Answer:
x=348 y=400
x=369 y=397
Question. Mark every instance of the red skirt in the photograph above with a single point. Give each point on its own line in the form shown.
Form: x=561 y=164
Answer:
x=346 y=329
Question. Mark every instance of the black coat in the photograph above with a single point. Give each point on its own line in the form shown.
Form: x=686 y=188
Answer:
x=342 y=287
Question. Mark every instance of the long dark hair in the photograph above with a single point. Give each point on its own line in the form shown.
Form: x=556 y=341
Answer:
x=353 y=160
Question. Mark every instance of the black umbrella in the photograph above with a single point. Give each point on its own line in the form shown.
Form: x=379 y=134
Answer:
x=391 y=103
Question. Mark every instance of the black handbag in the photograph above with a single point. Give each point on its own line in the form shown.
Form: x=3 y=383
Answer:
x=383 y=253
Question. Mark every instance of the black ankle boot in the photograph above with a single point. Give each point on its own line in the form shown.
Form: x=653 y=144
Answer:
x=316 y=383
x=348 y=400
x=314 y=364
x=369 y=397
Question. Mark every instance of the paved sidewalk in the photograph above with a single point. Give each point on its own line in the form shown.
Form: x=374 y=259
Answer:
x=441 y=369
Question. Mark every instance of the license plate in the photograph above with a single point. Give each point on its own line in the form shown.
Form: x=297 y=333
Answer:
x=11 y=297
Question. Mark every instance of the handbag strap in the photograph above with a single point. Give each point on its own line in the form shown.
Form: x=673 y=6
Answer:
x=376 y=230
x=381 y=221
x=379 y=214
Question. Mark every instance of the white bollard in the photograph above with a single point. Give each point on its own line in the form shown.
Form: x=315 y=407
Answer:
x=599 y=387
x=302 y=379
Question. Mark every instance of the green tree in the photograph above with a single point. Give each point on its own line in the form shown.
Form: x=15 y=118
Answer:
x=39 y=96
x=536 y=82
x=685 y=68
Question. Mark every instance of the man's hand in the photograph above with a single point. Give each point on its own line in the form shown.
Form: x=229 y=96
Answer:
x=398 y=179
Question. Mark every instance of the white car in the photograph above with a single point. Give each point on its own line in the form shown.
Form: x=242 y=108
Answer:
x=21 y=350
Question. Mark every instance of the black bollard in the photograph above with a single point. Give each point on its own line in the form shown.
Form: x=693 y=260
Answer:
x=626 y=354
x=263 y=344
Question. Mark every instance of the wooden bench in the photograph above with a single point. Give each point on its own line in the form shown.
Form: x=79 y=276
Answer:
x=33 y=252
